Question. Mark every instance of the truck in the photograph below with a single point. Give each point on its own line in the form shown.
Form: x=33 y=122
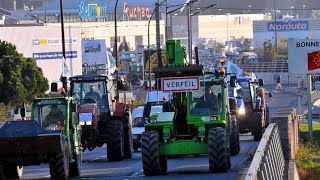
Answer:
x=187 y=129
x=35 y=141
x=256 y=116
x=103 y=119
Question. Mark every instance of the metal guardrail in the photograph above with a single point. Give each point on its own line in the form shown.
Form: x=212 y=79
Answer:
x=268 y=161
x=276 y=66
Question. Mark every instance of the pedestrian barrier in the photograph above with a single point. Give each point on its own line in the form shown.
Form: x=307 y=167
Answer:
x=275 y=66
x=268 y=161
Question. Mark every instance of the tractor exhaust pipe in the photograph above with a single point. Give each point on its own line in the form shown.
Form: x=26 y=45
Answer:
x=196 y=51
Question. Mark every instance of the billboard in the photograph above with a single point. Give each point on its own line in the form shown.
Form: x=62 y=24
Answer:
x=94 y=52
x=153 y=59
x=304 y=56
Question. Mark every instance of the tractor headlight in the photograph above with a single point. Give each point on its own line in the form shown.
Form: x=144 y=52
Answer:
x=210 y=118
x=82 y=123
x=152 y=120
x=242 y=110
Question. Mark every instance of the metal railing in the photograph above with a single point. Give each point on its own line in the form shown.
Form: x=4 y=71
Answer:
x=276 y=66
x=268 y=161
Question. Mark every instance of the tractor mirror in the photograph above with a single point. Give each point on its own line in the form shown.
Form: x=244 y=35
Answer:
x=120 y=85
x=23 y=112
x=54 y=87
x=270 y=94
x=233 y=105
x=261 y=82
x=233 y=81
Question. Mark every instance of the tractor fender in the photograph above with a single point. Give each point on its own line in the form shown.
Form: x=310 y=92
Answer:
x=119 y=109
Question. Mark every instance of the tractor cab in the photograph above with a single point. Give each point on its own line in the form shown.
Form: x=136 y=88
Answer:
x=97 y=90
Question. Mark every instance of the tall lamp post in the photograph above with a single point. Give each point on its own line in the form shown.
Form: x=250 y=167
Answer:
x=63 y=79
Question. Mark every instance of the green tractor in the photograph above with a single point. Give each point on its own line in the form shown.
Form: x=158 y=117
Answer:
x=51 y=136
x=188 y=125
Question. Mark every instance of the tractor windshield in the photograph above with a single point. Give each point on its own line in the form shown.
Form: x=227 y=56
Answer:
x=245 y=91
x=90 y=92
x=206 y=101
x=50 y=114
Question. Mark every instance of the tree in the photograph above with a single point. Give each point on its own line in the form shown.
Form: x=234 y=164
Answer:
x=282 y=49
x=21 y=79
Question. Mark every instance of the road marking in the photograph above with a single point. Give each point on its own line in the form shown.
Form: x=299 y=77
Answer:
x=135 y=174
x=85 y=163
x=271 y=100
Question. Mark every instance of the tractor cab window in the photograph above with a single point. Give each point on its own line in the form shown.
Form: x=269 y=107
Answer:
x=50 y=116
x=206 y=101
x=90 y=92
x=245 y=91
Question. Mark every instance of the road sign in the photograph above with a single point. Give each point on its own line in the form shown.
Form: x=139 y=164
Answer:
x=180 y=84
x=304 y=56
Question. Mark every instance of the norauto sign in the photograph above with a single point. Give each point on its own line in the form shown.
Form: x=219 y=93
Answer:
x=135 y=12
x=288 y=26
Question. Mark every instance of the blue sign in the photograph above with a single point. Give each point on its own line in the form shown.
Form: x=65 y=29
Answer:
x=92 y=11
x=288 y=26
x=54 y=55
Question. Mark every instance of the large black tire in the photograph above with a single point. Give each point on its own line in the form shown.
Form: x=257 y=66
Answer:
x=127 y=132
x=234 y=137
x=115 y=149
x=59 y=164
x=164 y=163
x=151 y=160
x=263 y=97
x=74 y=167
x=257 y=126
x=267 y=122
x=11 y=171
x=219 y=158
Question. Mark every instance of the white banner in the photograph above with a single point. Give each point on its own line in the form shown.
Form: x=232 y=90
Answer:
x=180 y=84
x=94 y=52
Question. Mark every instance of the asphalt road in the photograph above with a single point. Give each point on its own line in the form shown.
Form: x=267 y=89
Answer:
x=96 y=166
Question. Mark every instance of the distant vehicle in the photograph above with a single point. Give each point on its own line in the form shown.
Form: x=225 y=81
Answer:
x=137 y=126
x=140 y=116
x=157 y=96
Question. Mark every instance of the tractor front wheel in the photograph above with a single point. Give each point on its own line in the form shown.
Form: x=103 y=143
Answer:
x=115 y=150
x=153 y=163
x=127 y=132
x=59 y=164
x=234 y=137
x=219 y=158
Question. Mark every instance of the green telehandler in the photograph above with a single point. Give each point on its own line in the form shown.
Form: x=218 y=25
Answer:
x=186 y=126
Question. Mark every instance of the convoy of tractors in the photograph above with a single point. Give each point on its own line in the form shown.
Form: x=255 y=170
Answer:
x=205 y=114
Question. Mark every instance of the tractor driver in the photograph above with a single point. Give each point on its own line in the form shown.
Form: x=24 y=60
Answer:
x=93 y=93
x=55 y=116
x=208 y=100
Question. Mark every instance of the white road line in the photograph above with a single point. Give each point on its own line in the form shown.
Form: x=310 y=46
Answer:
x=272 y=100
x=135 y=174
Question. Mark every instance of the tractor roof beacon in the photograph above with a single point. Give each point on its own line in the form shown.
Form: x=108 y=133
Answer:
x=190 y=129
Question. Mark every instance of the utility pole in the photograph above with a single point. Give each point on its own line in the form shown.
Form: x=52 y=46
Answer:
x=158 y=34
x=116 y=48
x=275 y=24
x=63 y=79
x=189 y=33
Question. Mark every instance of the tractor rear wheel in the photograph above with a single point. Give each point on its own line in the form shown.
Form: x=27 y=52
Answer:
x=151 y=160
x=74 y=169
x=219 y=158
x=115 y=150
x=234 y=137
x=267 y=122
x=257 y=126
x=12 y=171
x=127 y=132
x=59 y=164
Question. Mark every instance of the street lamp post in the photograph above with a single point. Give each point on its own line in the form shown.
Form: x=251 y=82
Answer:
x=116 y=47
x=63 y=79
x=275 y=24
x=227 y=14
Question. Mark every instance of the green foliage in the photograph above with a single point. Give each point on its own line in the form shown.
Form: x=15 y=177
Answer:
x=307 y=158
x=3 y=112
x=20 y=78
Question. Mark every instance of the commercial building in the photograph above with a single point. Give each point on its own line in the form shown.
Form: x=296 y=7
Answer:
x=284 y=29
